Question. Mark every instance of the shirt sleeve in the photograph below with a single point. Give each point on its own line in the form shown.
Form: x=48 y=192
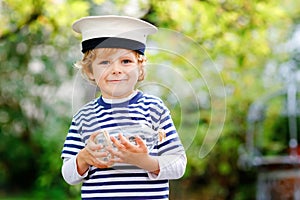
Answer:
x=171 y=167
x=70 y=173
x=171 y=154
x=72 y=145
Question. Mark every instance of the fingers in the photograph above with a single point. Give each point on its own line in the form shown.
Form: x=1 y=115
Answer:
x=119 y=143
x=116 y=142
x=123 y=144
x=125 y=147
x=117 y=155
x=91 y=145
x=85 y=159
x=140 y=142
x=97 y=154
x=100 y=154
x=103 y=164
x=99 y=159
x=124 y=150
x=93 y=136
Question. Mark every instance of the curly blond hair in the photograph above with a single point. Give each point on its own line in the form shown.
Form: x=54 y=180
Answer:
x=85 y=65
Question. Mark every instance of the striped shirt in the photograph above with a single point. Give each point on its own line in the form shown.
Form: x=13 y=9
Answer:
x=124 y=181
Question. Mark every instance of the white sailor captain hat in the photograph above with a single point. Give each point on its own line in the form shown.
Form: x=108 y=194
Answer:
x=112 y=31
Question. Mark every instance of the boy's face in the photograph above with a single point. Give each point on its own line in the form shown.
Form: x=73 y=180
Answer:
x=116 y=72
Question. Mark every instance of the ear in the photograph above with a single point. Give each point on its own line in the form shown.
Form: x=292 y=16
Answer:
x=89 y=74
x=141 y=73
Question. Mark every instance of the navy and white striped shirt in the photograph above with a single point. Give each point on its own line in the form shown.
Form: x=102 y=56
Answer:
x=124 y=181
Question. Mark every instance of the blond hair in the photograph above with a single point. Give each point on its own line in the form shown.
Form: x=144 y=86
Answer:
x=85 y=65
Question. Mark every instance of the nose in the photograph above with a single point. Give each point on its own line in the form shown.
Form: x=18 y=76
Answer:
x=115 y=68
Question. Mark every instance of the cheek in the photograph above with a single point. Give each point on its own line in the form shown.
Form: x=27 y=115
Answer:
x=135 y=71
x=135 y=74
x=98 y=74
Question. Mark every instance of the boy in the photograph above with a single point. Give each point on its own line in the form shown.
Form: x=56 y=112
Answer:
x=114 y=60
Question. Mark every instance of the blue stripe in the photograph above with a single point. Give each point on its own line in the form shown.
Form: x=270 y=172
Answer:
x=89 y=125
x=73 y=131
x=167 y=126
x=71 y=138
x=92 y=171
x=86 y=111
x=126 y=183
x=128 y=198
x=167 y=142
x=69 y=152
x=120 y=175
x=73 y=146
x=155 y=111
x=135 y=190
x=165 y=119
x=170 y=148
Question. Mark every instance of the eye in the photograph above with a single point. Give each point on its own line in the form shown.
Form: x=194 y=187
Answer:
x=104 y=62
x=126 y=61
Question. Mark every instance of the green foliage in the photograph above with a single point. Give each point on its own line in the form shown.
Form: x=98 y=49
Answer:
x=35 y=61
x=237 y=36
x=38 y=49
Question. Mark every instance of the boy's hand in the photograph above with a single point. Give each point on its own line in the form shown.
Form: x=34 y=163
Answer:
x=91 y=155
x=128 y=152
x=133 y=154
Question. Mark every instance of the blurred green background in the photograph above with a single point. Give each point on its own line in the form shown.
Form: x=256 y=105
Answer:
x=248 y=43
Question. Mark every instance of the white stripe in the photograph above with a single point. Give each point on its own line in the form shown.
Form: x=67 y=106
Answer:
x=150 y=194
x=123 y=186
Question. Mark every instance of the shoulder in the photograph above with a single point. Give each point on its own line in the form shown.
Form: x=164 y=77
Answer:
x=153 y=102
x=87 y=109
x=151 y=99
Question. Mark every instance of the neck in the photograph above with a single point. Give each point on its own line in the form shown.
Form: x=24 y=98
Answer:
x=119 y=100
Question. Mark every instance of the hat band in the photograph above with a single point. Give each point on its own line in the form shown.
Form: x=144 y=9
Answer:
x=113 y=42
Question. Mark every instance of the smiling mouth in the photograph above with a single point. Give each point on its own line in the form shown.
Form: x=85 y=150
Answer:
x=116 y=81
